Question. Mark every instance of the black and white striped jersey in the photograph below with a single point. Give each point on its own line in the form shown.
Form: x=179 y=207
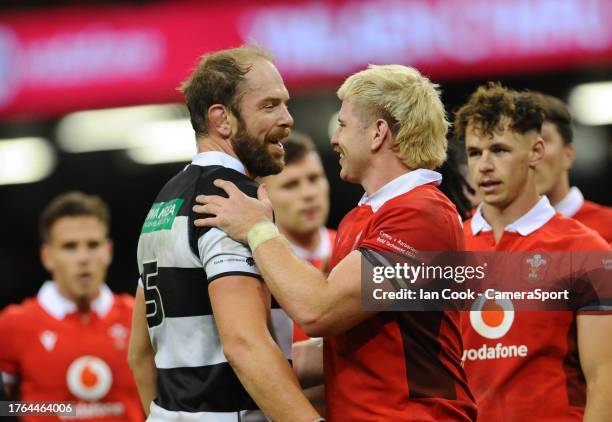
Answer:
x=177 y=261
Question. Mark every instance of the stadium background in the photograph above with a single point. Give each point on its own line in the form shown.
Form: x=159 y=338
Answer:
x=61 y=57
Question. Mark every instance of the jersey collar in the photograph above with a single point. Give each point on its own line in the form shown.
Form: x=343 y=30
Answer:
x=218 y=158
x=323 y=249
x=572 y=202
x=399 y=186
x=531 y=221
x=58 y=306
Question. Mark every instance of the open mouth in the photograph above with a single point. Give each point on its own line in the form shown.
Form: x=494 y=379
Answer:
x=488 y=185
x=276 y=143
x=339 y=151
x=84 y=278
x=276 y=148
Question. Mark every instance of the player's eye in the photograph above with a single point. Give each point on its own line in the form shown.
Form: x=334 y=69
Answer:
x=291 y=185
x=69 y=246
x=93 y=244
x=313 y=178
x=498 y=150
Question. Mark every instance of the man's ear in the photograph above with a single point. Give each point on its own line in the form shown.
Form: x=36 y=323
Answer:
x=537 y=152
x=220 y=120
x=45 y=257
x=109 y=252
x=381 y=132
x=569 y=154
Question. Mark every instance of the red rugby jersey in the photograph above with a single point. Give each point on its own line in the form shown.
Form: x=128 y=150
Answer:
x=524 y=366
x=57 y=356
x=597 y=217
x=320 y=260
x=399 y=366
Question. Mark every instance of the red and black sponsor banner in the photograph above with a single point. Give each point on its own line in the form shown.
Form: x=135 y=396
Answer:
x=487 y=281
x=59 y=60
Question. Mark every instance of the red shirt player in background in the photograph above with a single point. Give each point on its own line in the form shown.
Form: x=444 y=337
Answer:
x=379 y=366
x=557 y=350
x=552 y=173
x=70 y=342
x=300 y=197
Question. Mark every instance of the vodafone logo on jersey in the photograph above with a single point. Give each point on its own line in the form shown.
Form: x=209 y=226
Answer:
x=89 y=378
x=492 y=318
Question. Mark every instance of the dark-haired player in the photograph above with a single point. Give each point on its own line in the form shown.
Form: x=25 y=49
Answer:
x=70 y=342
x=552 y=173
x=551 y=364
x=221 y=354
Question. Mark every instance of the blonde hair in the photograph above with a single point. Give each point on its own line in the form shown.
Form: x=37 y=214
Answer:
x=411 y=105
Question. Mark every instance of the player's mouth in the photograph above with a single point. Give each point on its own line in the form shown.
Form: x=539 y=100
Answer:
x=311 y=212
x=489 y=186
x=84 y=278
x=339 y=151
x=276 y=144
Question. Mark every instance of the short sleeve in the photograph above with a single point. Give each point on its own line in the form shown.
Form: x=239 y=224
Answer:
x=593 y=285
x=219 y=254
x=392 y=231
x=222 y=256
x=9 y=348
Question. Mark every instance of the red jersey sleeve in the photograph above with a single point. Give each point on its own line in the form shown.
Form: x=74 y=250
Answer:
x=9 y=344
x=593 y=261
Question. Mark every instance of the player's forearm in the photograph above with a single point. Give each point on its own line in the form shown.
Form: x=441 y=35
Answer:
x=301 y=289
x=266 y=374
x=145 y=375
x=308 y=362
x=141 y=356
x=599 y=398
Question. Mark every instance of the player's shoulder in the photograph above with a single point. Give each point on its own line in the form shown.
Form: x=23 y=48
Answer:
x=425 y=216
x=571 y=234
x=598 y=217
x=590 y=207
x=20 y=312
x=422 y=198
x=425 y=203
x=178 y=184
x=211 y=173
x=122 y=309
x=123 y=300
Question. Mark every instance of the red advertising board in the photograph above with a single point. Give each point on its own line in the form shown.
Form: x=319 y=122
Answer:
x=60 y=60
